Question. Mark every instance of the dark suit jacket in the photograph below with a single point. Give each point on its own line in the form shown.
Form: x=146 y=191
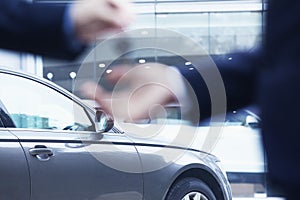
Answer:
x=35 y=28
x=270 y=78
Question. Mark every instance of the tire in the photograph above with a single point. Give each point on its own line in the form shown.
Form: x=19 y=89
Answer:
x=190 y=189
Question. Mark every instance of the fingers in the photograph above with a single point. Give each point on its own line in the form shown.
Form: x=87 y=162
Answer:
x=118 y=73
x=149 y=88
x=92 y=18
x=117 y=14
x=137 y=74
x=130 y=105
x=92 y=91
x=122 y=12
x=143 y=101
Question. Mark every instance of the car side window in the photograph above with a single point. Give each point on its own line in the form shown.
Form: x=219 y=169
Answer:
x=33 y=105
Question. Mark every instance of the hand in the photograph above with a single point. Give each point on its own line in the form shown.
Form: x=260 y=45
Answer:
x=139 y=92
x=95 y=17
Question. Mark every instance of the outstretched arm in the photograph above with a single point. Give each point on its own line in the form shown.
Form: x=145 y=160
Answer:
x=151 y=85
x=52 y=30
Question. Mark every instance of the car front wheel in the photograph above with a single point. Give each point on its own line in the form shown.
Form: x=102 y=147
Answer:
x=190 y=189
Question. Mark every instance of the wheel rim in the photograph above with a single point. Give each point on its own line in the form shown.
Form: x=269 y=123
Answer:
x=194 y=196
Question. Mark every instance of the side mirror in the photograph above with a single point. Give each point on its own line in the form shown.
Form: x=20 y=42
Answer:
x=103 y=122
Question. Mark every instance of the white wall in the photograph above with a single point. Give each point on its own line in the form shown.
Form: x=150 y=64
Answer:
x=21 y=61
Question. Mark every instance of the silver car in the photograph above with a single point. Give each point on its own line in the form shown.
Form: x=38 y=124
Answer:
x=53 y=146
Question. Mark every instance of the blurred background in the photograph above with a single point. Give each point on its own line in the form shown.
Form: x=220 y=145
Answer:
x=220 y=27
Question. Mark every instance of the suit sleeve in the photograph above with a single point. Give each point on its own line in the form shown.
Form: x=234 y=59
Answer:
x=239 y=72
x=35 y=28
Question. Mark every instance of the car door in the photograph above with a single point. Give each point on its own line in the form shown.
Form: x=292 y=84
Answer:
x=66 y=158
x=69 y=168
x=15 y=181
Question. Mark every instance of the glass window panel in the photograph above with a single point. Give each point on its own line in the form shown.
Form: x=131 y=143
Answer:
x=33 y=105
x=143 y=21
x=234 y=31
x=208 y=6
x=144 y=8
x=194 y=26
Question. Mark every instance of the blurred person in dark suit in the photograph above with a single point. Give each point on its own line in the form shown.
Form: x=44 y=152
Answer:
x=59 y=31
x=269 y=77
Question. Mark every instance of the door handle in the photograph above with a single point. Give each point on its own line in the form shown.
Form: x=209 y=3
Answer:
x=41 y=151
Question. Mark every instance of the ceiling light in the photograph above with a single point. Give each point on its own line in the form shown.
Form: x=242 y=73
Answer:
x=142 y=61
x=187 y=63
x=101 y=65
x=72 y=75
x=108 y=71
x=50 y=75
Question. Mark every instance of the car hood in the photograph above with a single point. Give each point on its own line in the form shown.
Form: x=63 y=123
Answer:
x=179 y=136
